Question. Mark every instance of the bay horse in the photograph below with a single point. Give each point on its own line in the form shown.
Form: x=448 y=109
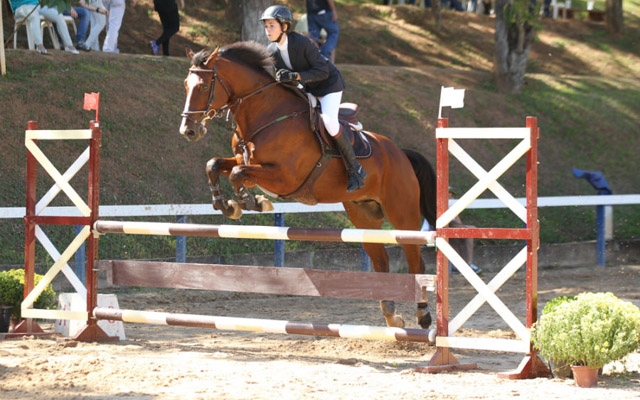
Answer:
x=276 y=149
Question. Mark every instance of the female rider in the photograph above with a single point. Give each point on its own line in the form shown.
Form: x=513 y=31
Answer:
x=299 y=60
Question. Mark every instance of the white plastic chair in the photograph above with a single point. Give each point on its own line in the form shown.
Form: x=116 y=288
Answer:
x=556 y=6
x=44 y=23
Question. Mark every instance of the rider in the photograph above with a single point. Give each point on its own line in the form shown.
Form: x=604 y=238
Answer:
x=299 y=60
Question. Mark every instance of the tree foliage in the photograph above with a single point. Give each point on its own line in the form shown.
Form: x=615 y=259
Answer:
x=61 y=5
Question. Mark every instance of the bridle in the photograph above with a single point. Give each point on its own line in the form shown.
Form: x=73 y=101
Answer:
x=209 y=113
x=231 y=108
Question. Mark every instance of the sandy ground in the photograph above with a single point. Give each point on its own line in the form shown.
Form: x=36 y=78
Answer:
x=176 y=362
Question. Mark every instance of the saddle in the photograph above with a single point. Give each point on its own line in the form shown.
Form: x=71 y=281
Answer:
x=348 y=117
x=351 y=127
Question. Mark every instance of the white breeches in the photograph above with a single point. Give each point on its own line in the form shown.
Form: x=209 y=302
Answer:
x=330 y=105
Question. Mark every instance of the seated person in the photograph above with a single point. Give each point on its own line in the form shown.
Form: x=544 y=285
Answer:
x=81 y=15
x=31 y=11
x=85 y=14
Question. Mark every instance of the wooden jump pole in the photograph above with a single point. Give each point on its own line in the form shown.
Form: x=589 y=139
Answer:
x=265 y=325
x=266 y=232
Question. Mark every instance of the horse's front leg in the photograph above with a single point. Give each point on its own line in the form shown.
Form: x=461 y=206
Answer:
x=216 y=167
x=241 y=177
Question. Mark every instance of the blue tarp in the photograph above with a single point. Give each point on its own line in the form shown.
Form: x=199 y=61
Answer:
x=595 y=178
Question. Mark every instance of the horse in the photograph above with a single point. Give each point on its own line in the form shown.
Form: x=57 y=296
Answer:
x=276 y=150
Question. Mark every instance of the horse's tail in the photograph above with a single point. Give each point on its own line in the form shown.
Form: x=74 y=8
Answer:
x=427 y=179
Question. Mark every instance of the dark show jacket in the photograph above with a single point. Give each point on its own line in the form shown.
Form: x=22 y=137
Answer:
x=318 y=75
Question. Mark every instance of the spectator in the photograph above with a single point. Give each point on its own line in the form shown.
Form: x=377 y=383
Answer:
x=170 y=19
x=93 y=15
x=114 y=21
x=483 y=7
x=322 y=14
x=546 y=8
x=98 y=16
x=31 y=11
x=451 y=4
x=464 y=247
x=81 y=15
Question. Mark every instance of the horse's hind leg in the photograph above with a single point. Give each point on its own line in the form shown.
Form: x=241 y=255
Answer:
x=417 y=266
x=368 y=215
x=388 y=308
x=423 y=315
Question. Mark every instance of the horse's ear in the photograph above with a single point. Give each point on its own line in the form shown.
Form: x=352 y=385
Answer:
x=189 y=52
x=213 y=55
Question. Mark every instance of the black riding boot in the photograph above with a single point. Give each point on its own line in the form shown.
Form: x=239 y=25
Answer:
x=355 y=172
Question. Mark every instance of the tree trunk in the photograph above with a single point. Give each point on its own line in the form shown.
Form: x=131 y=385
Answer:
x=436 y=8
x=613 y=16
x=245 y=14
x=512 y=51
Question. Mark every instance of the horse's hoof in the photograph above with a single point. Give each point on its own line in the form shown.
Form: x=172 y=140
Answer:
x=233 y=210
x=388 y=308
x=398 y=321
x=423 y=315
x=425 y=321
x=264 y=204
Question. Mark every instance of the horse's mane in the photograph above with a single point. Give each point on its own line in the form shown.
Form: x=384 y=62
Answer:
x=250 y=53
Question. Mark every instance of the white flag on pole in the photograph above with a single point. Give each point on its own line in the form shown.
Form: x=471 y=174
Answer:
x=450 y=97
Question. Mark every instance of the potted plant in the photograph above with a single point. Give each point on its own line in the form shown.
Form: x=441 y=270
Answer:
x=559 y=368
x=590 y=331
x=12 y=292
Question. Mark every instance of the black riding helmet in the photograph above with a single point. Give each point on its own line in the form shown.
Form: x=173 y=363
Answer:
x=280 y=14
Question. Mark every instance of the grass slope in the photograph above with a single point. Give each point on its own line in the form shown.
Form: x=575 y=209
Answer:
x=583 y=88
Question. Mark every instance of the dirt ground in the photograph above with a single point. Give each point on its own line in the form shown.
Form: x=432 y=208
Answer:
x=176 y=362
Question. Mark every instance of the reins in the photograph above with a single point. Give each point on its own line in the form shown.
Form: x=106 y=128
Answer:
x=233 y=109
x=219 y=112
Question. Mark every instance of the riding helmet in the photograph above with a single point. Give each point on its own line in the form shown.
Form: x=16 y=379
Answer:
x=279 y=13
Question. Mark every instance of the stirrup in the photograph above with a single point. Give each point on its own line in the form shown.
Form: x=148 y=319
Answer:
x=356 y=179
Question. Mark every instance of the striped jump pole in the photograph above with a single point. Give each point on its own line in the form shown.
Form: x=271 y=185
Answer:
x=267 y=232
x=266 y=325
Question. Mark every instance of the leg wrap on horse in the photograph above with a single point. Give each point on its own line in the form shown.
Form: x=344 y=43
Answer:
x=423 y=315
x=246 y=199
x=355 y=173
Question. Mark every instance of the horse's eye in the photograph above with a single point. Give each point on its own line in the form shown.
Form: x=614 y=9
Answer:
x=204 y=87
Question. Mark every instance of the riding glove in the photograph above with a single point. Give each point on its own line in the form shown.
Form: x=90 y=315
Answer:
x=284 y=75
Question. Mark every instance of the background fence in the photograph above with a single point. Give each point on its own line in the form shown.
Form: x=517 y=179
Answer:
x=603 y=203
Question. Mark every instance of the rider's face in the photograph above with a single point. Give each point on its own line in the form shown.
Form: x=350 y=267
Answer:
x=272 y=28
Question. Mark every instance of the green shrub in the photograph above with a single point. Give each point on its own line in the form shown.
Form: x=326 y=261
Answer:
x=12 y=291
x=592 y=330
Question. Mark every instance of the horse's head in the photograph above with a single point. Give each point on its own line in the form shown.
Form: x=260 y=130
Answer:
x=207 y=94
x=221 y=79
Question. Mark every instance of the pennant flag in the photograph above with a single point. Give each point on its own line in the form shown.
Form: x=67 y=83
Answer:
x=92 y=102
x=450 y=97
